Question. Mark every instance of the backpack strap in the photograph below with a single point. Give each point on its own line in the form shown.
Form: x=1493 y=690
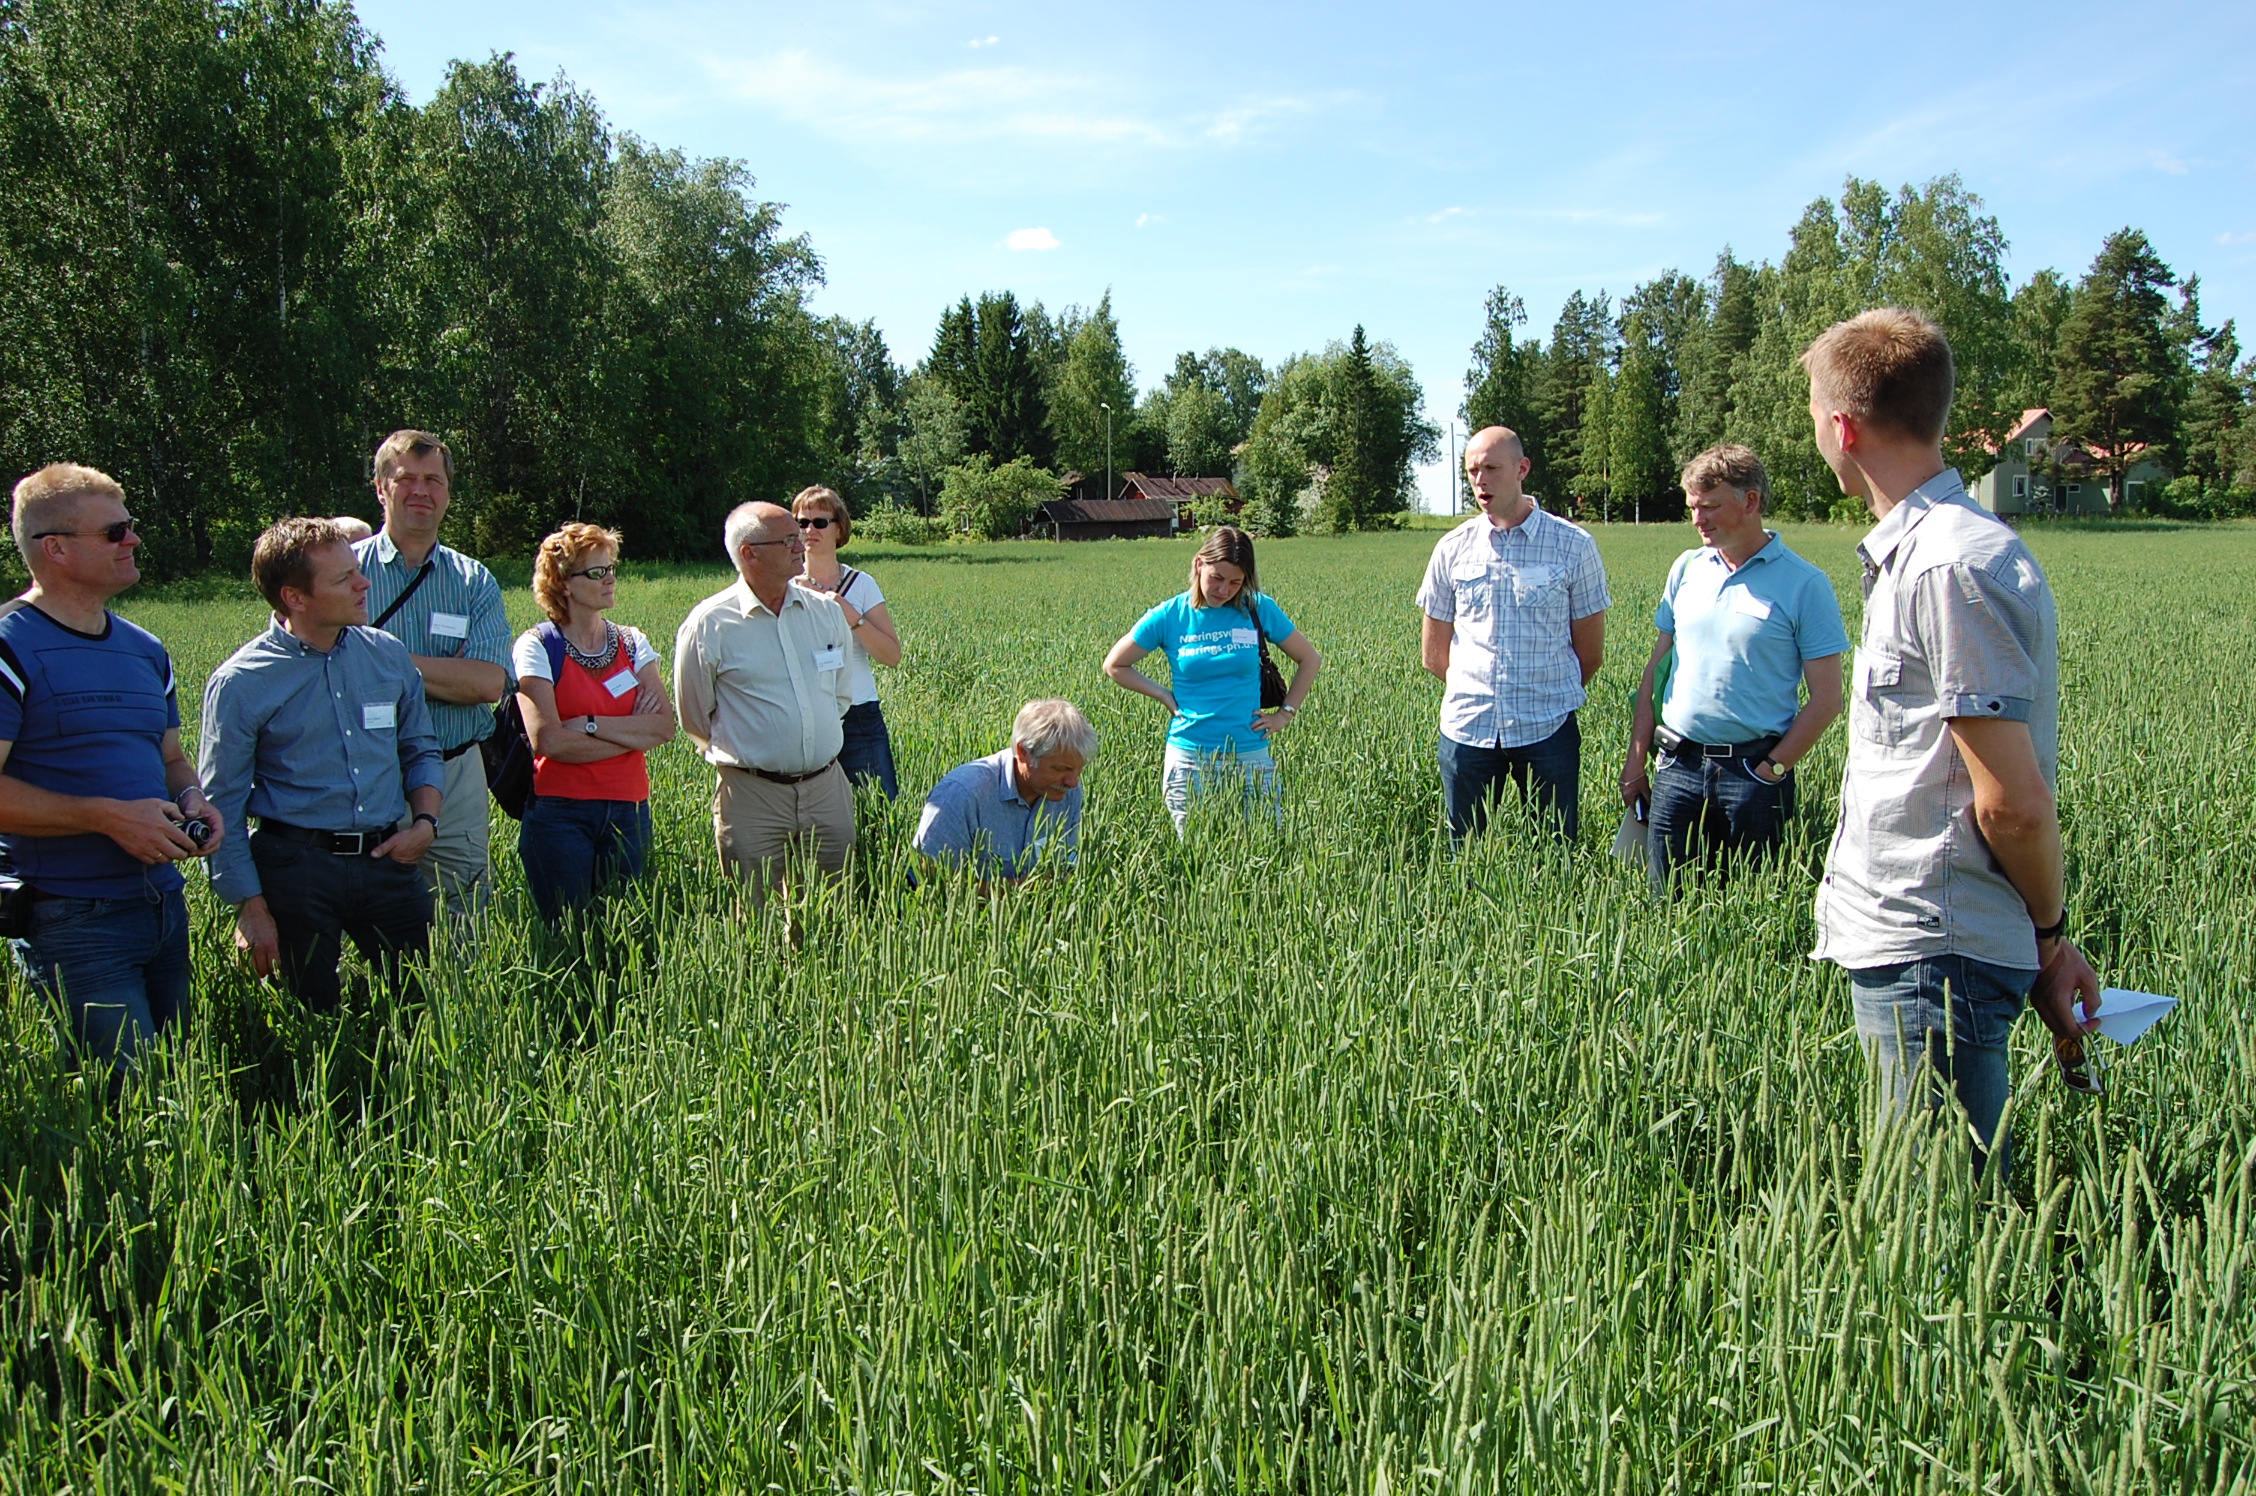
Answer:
x=422 y=575
x=552 y=640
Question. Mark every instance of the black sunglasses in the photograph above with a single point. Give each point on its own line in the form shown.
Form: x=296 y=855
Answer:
x=114 y=533
x=598 y=573
x=814 y=522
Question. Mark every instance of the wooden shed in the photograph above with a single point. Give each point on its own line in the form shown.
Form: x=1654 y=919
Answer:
x=1181 y=493
x=1105 y=519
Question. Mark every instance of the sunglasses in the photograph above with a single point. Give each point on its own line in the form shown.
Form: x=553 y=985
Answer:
x=814 y=522
x=114 y=533
x=2078 y=1070
x=598 y=573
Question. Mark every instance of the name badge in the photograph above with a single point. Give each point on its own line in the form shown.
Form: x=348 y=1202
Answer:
x=620 y=684
x=379 y=716
x=1749 y=604
x=450 y=625
x=1244 y=638
x=833 y=658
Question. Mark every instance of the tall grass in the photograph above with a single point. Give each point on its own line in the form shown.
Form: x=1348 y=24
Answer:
x=1306 y=1160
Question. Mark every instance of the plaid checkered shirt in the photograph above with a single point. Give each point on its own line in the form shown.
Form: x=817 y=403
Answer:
x=1512 y=595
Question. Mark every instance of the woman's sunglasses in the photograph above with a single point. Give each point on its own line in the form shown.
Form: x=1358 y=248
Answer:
x=814 y=521
x=598 y=573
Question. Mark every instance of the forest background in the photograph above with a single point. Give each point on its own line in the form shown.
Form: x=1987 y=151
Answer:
x=233 y=255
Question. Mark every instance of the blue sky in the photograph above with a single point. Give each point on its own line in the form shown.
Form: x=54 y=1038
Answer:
x=1269 y=175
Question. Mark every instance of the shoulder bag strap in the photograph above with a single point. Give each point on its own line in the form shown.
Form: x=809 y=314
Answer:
x=422 y=574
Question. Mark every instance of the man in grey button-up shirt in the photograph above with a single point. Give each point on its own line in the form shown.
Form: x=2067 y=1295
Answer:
x=1944 y=892
x=317 y=727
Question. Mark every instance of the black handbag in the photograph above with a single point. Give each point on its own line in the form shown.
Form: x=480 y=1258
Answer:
x=1272 y=679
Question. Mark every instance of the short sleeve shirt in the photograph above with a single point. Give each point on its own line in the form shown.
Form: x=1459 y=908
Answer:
x=862 y=591
x=1958 y=622
x=1512 y=595
x=1213 y=655
x=1742 y=638
x=528 y=657
x=85 y=714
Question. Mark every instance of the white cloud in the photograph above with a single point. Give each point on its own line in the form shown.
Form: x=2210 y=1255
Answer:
x=2163 y=161
x=2247 y=238
x=988 y=102
x=1030 y=239
x=1148 y=218
x=983 y=41
x=1445 y=215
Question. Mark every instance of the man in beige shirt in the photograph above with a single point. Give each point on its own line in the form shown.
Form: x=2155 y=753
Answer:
x=761 y=681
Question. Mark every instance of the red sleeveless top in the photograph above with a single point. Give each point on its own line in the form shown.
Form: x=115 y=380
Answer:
x=581 y=692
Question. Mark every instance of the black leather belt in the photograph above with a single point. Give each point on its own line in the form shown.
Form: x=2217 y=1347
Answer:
x=774 y=778
x=335 y=843
x=1676 y=747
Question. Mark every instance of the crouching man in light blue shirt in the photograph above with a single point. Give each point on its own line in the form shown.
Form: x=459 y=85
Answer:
x=1002 y=815
x=1750 y=622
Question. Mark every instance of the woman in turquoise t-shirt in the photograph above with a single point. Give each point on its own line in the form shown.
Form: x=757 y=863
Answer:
x=1219 y=738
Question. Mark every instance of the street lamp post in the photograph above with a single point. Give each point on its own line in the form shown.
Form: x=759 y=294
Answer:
x=1107 y=406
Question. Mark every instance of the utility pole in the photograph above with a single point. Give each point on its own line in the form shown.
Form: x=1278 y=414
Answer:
x=1107 y=405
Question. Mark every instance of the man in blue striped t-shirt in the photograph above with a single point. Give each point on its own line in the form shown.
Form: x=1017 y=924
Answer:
x=446 y=608
x=97 y=800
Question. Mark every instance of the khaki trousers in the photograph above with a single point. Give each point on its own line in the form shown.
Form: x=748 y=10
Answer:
x=458 y=867
x=756 y=822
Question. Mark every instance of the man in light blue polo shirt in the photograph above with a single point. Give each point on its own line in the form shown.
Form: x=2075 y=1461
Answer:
x=1751 y=623
x=446 y=608
x=1003 y=814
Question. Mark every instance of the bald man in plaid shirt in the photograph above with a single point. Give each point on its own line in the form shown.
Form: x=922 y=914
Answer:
x=1515 y=602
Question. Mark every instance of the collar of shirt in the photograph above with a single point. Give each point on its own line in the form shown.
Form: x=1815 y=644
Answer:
x=1772 y=547
x=1536 y=517
x=1007 y=782
x=1881 y=543
x=280 y=638
x=750 y=602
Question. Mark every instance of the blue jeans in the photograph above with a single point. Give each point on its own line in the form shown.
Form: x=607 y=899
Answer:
x=868 y=754
x=118 y=968
x=573 y=848
x=1705 y=811
x=1943 y=1022
x=1188 y=776
x=1550 y=771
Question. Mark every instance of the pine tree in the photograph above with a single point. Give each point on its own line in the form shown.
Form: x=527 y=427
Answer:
x=2114 y=388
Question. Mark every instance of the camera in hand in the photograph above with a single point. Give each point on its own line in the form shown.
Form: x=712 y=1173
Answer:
x=197 y=830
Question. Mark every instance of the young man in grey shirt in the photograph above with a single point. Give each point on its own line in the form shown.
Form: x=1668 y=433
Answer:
x=1944 y=893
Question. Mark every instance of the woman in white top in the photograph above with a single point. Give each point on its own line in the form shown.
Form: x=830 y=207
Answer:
x=825 y=526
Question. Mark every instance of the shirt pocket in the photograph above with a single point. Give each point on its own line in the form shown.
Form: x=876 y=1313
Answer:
x=1876 y=708
x=1474 y=589
x=1540 y=589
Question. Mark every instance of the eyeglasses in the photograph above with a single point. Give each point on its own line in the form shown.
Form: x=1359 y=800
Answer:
x=114 y=533
x=787 y=540
x=814 y=522
x=598 y=573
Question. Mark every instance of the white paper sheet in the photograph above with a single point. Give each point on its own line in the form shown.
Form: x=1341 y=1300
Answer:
x=2124 y=1014
x=1629 y=842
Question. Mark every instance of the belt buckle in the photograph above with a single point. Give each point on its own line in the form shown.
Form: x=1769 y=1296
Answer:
x=337 y=840
x=1716 y=750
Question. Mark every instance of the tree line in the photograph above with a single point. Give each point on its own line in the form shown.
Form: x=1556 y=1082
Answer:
x=233 y=255
x=1621 y=395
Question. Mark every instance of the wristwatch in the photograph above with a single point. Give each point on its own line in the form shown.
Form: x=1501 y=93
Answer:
x=857 y=623
x=1288 y=708
x=424 y=815
x=590 y=728
x=2056 y=929
x=1775 y=764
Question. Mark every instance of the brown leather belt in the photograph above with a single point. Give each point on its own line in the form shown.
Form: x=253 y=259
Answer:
x=774 y=778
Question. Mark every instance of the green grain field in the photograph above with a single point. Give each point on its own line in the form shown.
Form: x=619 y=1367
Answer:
x=1311 y=1160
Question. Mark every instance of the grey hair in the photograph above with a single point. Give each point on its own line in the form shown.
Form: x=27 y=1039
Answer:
x=737 y=532
x=1045 y=727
